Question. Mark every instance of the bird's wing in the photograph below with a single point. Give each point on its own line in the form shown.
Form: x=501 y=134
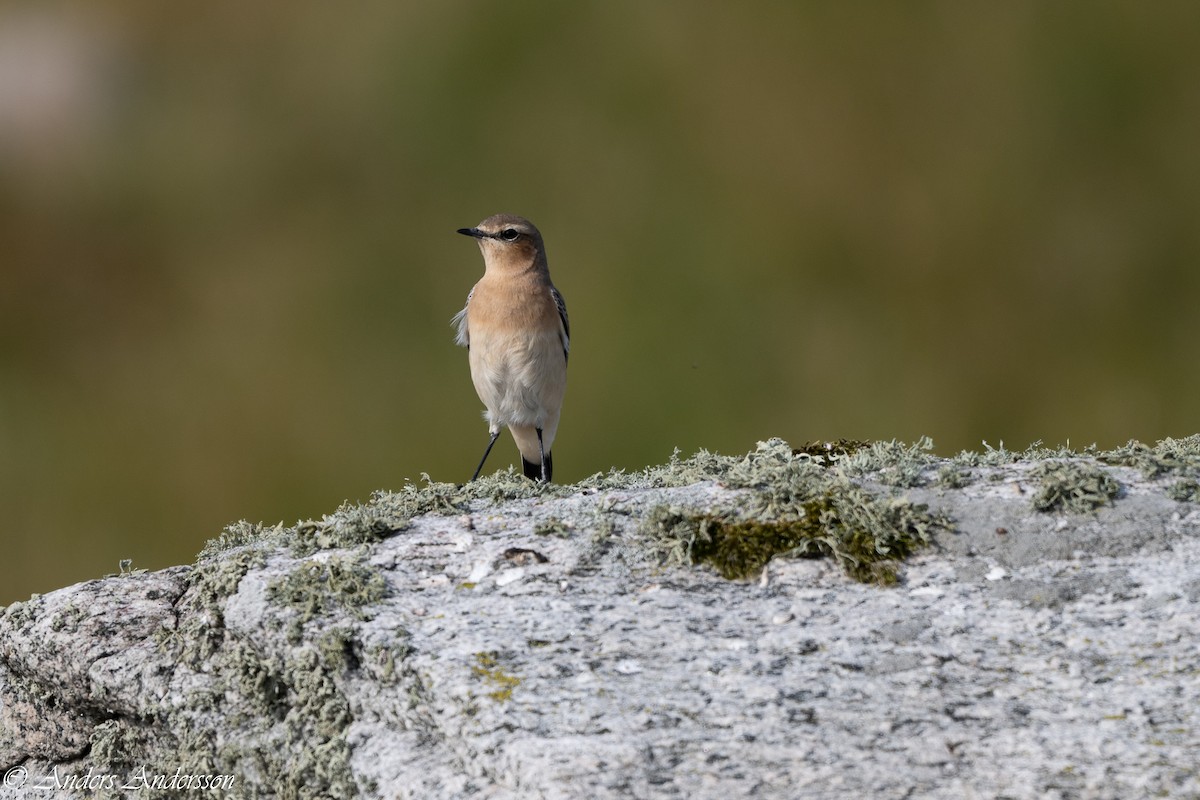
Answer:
x=459 y=320
x=566 y=323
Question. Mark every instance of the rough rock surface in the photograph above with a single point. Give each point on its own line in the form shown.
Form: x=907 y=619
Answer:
x=540 y=647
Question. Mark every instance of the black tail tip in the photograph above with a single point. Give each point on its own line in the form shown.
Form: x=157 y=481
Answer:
x=533 y=470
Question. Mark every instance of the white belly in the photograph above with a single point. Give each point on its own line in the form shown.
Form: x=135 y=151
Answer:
x=519 y=377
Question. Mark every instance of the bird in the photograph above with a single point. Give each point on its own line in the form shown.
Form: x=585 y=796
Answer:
x=518 y=338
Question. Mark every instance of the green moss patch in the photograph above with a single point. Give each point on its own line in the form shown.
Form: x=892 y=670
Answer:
x=796 y=507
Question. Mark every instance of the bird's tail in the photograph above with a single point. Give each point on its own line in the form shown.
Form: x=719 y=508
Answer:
x=533 y=470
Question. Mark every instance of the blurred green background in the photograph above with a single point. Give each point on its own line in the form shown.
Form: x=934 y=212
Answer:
x=229 y=260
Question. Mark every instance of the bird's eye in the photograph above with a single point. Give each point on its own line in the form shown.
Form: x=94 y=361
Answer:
x=510 y=234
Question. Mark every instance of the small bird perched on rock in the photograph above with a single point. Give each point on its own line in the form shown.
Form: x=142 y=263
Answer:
x=515 y=329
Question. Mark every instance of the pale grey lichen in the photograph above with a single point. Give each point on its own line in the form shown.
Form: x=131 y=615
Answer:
x=1184 y=491
x=953 y=476
x=1178 y=457
x=892 y=463
x=1073 y=487
x=318 y=586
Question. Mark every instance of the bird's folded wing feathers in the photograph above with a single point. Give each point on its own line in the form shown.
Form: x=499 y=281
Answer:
x=566 y=323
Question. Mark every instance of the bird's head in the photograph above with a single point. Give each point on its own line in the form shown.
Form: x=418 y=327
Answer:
x=508 y=242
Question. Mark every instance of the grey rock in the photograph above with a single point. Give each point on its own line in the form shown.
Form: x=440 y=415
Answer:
x=536 y=648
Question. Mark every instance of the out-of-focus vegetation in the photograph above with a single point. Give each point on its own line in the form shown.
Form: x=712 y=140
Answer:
x=228 y=260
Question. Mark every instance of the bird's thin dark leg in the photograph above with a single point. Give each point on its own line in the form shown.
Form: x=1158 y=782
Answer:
x=542 y=454
x=486 y=453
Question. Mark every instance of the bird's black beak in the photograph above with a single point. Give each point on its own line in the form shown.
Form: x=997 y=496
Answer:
x=475 y=232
